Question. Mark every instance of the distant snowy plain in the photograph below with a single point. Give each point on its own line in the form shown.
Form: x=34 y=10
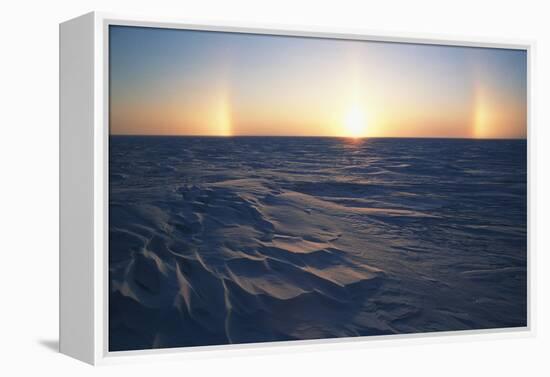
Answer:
x=254 y=239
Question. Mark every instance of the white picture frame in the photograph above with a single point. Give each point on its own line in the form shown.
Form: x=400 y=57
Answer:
x=84 y=142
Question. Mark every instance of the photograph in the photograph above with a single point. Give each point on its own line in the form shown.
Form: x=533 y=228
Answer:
x=270 y=187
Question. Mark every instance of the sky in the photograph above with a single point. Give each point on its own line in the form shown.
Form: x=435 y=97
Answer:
x=185 y=82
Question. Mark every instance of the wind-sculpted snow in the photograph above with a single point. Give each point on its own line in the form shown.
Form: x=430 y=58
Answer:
x=251 y=239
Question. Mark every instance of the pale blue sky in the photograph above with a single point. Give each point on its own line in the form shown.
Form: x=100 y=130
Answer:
x=169 y=81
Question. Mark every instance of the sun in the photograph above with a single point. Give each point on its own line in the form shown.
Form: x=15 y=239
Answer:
x=355 y=122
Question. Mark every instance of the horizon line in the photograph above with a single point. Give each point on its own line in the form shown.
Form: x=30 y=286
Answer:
x=326 y=137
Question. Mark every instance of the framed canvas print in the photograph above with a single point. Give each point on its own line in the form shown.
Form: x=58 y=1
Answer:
x=224 y=187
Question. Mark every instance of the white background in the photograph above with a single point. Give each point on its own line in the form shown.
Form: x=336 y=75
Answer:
x=29 y=186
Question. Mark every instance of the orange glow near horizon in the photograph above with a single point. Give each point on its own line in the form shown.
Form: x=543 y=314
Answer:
x=222 y=121
x=482 y=115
